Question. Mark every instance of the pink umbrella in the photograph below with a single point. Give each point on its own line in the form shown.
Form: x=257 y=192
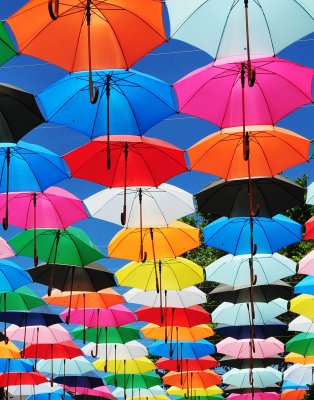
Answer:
x=5 y=249
x=113 y=316
x=99 y=391
x=53 y=208
x=257 y=396
x=306 y=265
x=241 y=348
x=214 y=92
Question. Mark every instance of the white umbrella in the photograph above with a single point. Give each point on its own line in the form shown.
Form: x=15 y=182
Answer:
x=24 y=390
x=262 y=377
x=239 y=314
x=235 y=270
x=130 y=350
x=152 y=391
x=160 y=205
x=175 y=298
x=300 y=374
x=301 y=324
x=64 y=367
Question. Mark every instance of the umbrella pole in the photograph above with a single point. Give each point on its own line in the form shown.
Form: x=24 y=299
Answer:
x=6 y=340
x=51 y=379
x=64 y=376
x=143 y=254
x=126 y=154
x=166 y=321
x=124 y=381
x=171 y=327
x=5 y=221
x=67 y=320
x=245 y=136
x=115 y=365
x=36 y=353
x=53 y=8
x=84 y=321
x=93 y=97
x=108 y=120
x=151 y=231
x=251 y=71
x=160 y=291
x=35 y=223
x=54 y=262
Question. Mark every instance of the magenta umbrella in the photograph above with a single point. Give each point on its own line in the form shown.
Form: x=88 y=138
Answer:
x=99 y=391
x=256 y=396
x=242 y=348
x=113 y=316
x=52 y=208
x=214 y=92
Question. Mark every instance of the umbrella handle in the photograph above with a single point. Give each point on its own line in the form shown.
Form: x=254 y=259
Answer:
x=246 y=146
x=144 y=258
x=94 y=355
x=5 y=223
x=93 y=93
x=53 y=8
x=251 y=75
x=123 y=215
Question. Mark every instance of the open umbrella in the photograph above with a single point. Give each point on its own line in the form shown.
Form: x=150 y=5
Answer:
x=175 y=298
x=12 y=276
x=130 y=350
x=192 y=333
x=21 y=378
x=41 y=315
x=235 y=270
x=293 y=394
x=300 y=374
x=270 y=234
x=189 y=379
x=301 y=324
x=5 y=249
x=242 y=363
x=8 y=350
x=98 y=391
x=187 y=364
x=52 y=350
x=139 y=392
x=15 y=365
x=181 y=349
x=57 y=395
x=122 y=334
x=303 y=304
x=195 y=392
x=262 y=377
x=63 y=367
x=306 y=264
x=126 y=366
x=7 y=49
x=230 y=198
x=302 y=343
x=304 y=286
x=299 y=359
x=26 y=390
x=134 y=381
x=80 y=381
x=262 y=348
x=256 y=396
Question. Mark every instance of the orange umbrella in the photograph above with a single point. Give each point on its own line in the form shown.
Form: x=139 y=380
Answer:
x=191 y=334
x=84 y=34
x=292 y=394
x=267 y=145
x=9 y=350
x=189 y=380
x=299 y=358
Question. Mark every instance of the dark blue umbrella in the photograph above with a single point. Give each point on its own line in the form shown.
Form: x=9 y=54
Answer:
x=12 y=276
x=79 y=381
x=42 y=315
x=270 y=234
x=305 y=286
x=273 y=328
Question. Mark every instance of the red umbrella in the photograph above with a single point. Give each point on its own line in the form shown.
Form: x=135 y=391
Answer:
x=187 y=364
x=22 y=378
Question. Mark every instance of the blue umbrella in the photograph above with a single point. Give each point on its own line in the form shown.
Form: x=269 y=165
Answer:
x=274 y=327
x=305 y=286
x=15 y=365
x=80 y=381
x=270 y=234
x=57 y=395
x=129 y=102
x=12 y=276
x=181 y=349
x=28 y=167
x=42 y=315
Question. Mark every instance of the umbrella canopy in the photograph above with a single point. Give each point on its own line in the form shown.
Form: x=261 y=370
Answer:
x=22 y=299
x=230 y=198
x=57 y=395
x=266 y=142
x=309 y=229
x=256 y=396
x=139 y=392
x=118 y=109
x=193 y=333
x=8 y=365
x=5 y=249
x=80 y=381
x=306 y=264
x=21 y=378
x=26 y=390
x=300 y=374
x=134 y=381
x=242 y=363
x=174 y=273
x=239 y=314
x=225 y=25
x=15 y=101
x=274 y=327
x=181 y=349
x=41 y=315
x=262 y=293
x=303 y=343
x=63 y=367
x=262 y=377
x=157 y=205
x=299 y=359
x=100 y=391
x=301 y=324
x=130 y=350
x=208 y=392
x=293 y=394
x=122 y=334
x=214 y=92
x=305 y=286
x=115 y=43
x=49 y=350
x=90 y=278
x=165 y=242
x=38 y=334
x=188 y=317
x=187 y=364
x=175 y=298
x=271 y=388
x=8 y=350
x=128 y=366
x=12 y=276
x=190 y=379
x=263 y=348
x=7 y=49
x=303 y=304
x=270 y=234
x=113 y=316
x=235 y=270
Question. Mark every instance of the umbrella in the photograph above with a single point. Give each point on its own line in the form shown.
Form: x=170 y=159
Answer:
x=130 y=350
x=189 y=380
x=175 y=298
x=28 y=167
x=113 y=316
x=306 y=264
x=57 y=395
x=303 y=304
x=235 y=270
x=310 y=194
x=301 y=324
x=15 y=365
x=63 y=367
x=50 y=350
x=98 y=391
x=122 y=334
x=271 y=388
x=309 y=229
x=134 y=381
x=154 y=205
x=19 y=378
x=270 y=234
x=8 y=350
x=262 y=348
x=26 y=390
x=80 y=381
x=139 y=392
x=300 y=374
x=155 y=397
x=293 y=394
x=299 y=359
x=41 y=315
x=262 y=377
x=208 y=392
x=187 y=364
x=256 y=396
x=135 y=161
x=7 y=49
x=303 y=343
x=304 y=286
x=191 y=334
x=12 y=276
x=5 y=249
x=242 y=363
x=128 y=366
x=230 y=198
x=239 y=314
x=214 y=397
x=181 y=349
x=274 y=327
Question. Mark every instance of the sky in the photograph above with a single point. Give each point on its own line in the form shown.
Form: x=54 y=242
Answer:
x=169 y=62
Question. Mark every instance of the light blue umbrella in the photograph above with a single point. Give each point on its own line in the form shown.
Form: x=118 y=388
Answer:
x=15 y=365
x=263 y=377
x=181 y=349
x=66 y=367
x=305 y=286
x=270 y=234
x=57 y=395
x=12 y=276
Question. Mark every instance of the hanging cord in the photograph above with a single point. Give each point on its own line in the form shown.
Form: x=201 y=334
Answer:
x=126 y=153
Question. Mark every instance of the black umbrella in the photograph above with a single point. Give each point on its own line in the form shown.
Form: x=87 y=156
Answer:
x=247 y=363
x=262 y=293
x=273 y=328
x=234 y=389
x=19 y=113
x=230 y=198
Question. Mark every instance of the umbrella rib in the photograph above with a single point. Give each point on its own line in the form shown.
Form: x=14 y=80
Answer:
x=236 y=80
x=267 y=24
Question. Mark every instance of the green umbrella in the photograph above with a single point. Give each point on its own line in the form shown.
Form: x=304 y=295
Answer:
x=122 y=334
x=7 y=50
x=303 y=343
x=134 y=381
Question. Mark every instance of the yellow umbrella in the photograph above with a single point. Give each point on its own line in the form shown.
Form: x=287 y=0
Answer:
x=158 y=242
x=135 y=366
x=9 y=350
x=191 y=334
x=209 y=391
x=173 y=274
x=304 y=305
x=299 y=358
